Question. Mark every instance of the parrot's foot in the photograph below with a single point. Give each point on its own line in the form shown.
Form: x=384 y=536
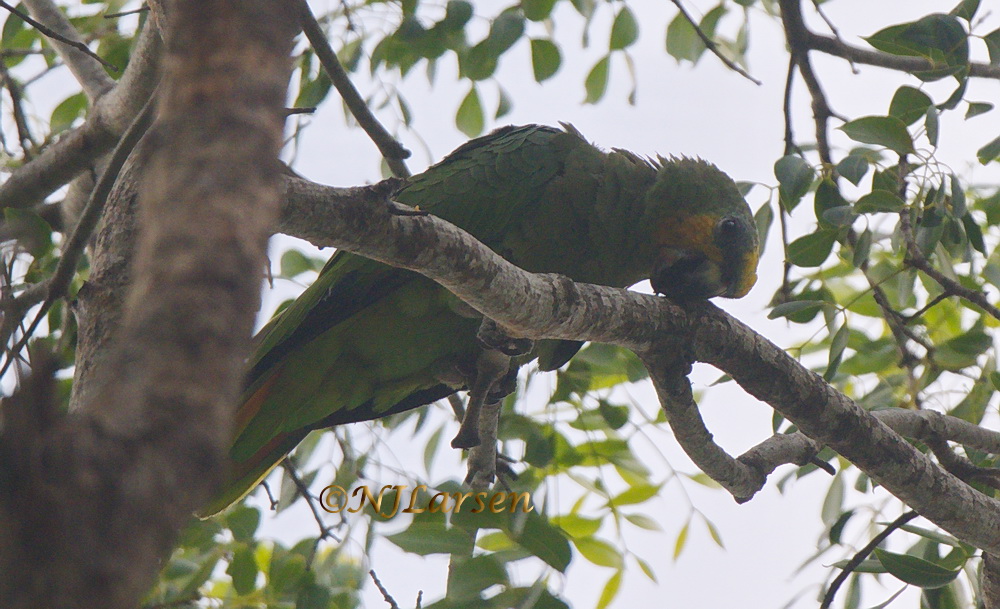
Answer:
x=491 y=336
x=491 y=366
x=485 y=462
x=486 y=465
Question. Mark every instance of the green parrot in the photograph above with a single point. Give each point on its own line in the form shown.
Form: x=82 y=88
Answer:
x=367 y=340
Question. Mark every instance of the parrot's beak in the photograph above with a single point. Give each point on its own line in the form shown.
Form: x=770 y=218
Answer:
x=684 y=274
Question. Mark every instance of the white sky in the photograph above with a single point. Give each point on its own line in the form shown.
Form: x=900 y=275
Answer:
x=707 y=111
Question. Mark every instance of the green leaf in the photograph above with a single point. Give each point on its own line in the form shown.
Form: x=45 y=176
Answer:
x=838 y=527
x=505 y=30
x=457 y=14
x=425 y=538
x=479 y=62
x=811 y=250
x=862 y=248
x=576 y=525
x=833 y=503
x=504 y=104
x=599 y=552
x=545 y=58
x=795 y=176
x=958 y=204
x=683 y=42
x=242 y=521
x=314 y=91
x=469 y=118
x=931 y=126
x=537 y=10
x=966 y=9
x=788 y=308
x=597 y=81
x=638 y=493
x=541 y=538
x=33 y=233
x=294 y=263
x=681 y=540
x=886 y=131
x=915 y=571
x=989 y=152
x=615 y=416
x=624 y=30
x=909 y=104
x=837 y=345
x=643 y=522
x=853 y=168
x=879 y=201
x=285 y=571
x=962 y=351
x=11 y=28
x=763 y=220
x=243 y=570
x=977 y=108
x=828 y=198
x=993 y=46
x=67 y=112
x=610 y=590
x=937 y=37
x=470 y=576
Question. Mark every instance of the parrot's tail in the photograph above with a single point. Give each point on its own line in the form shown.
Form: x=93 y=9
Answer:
x=244 y=475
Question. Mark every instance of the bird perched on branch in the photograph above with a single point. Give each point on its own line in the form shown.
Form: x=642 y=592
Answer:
x=367 y=340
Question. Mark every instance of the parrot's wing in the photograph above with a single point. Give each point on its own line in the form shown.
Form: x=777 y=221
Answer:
x=493 y=182
x=347 y=284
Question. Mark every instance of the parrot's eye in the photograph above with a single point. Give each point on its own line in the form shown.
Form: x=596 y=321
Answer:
x=729 y=229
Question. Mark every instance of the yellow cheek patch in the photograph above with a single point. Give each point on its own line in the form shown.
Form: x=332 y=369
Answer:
x=692 y=232
x=748 y=275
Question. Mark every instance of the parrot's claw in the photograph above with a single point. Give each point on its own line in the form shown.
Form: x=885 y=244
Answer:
x=491 y=336
x=398 y=209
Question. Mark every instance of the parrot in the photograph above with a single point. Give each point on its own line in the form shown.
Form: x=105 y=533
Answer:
x=367 y=340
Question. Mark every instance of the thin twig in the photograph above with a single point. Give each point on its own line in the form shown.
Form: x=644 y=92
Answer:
x=711 y=46
x=392 y=151
x=796 y=35
x=907 y=319
x=916 y=259
x=76 y=44
x=17 y=110
x=385 y=593
x=289 y=466
x=141 y=9
x=862 y=554
x=60 y=280
x=786 y=108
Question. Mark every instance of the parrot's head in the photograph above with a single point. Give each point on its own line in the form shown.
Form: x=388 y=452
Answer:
x=703 y=233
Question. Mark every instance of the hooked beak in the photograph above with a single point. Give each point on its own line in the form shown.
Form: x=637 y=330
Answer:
x=683 y=274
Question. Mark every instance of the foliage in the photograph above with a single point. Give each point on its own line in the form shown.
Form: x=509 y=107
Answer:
x=885 y=275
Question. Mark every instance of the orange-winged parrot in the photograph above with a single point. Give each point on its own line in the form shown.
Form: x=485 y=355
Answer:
x=367 y=340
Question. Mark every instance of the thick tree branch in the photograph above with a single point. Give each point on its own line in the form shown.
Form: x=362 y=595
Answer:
x=143 y=453
x=86 y=65
x=79 y=148
x=548 y=306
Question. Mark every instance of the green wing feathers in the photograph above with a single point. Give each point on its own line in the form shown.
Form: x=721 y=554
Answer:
x=366 y=339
